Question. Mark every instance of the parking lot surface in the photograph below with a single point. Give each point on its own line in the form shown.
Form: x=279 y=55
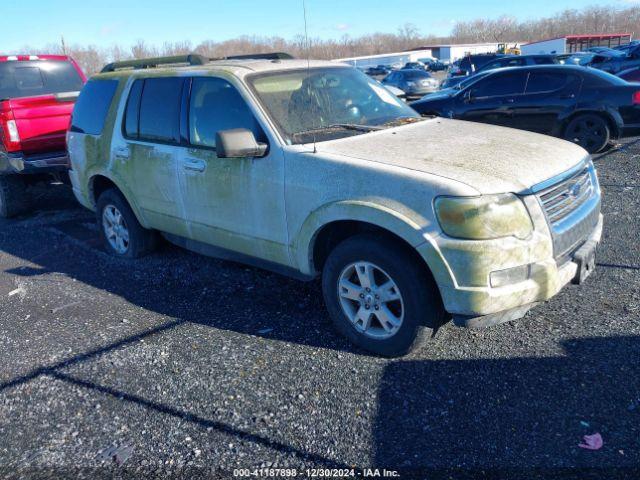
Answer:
x=181 y=363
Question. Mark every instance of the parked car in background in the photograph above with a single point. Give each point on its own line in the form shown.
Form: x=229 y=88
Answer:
x=240 y=159
x=630 y=75
x=415 y=83
x=436 y=66
x=518 y=61
x=614 y=61
x=378 y=71
x=37 y=93
x=583 y=105
x=576 y=58
x=414 y=66
x=472 y=63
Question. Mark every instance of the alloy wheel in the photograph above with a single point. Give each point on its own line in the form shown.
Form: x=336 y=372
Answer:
x=115 y=229
x=371 y=300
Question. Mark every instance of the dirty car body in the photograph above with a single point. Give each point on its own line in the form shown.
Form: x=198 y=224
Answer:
x=342 y=179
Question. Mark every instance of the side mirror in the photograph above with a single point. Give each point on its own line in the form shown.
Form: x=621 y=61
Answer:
x=468 y=96
x=238 y=143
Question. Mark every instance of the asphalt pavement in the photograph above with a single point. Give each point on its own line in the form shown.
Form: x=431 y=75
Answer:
x=182 y=365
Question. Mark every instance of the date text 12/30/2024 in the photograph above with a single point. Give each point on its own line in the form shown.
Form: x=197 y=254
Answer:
x=315 y=473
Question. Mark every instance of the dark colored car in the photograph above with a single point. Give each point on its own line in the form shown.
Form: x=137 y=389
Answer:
x=582 y=105
x=630 y=75
x=519 y=61
x=415 y=83
x=472 y=63
x=414 y=66
x=436 y=66
x=378 y=71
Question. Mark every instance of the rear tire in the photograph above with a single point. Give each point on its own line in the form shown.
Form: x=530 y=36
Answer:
x=389 y=321
x=14 y=197
x=121 y=233
x=590 y=131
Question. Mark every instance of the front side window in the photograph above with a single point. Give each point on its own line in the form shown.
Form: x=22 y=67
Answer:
x=324 y=103
x=216 y=105
x=498 y=85
x=159 y=118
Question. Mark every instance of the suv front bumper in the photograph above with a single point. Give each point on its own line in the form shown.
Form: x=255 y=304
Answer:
x=480 y=306
x=19 y=163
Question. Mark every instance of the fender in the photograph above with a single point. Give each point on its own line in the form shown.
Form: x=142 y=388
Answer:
x=412 y=230
x=128 y=195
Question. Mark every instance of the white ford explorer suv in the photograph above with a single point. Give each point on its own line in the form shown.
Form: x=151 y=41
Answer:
x=313 y=169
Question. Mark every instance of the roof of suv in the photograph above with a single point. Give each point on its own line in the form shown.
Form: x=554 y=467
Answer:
x=238 y=68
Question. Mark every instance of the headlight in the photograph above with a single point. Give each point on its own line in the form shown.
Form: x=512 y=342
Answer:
x=484 y=217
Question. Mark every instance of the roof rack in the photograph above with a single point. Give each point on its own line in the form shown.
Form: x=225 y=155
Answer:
x=191 y=59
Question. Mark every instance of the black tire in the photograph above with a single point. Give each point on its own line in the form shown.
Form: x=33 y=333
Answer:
x=14 y=197
x=421 y=302
x=141 y=241
x=590 y=131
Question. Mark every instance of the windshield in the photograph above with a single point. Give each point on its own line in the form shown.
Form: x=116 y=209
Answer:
x=37 y=77
x=326 y=103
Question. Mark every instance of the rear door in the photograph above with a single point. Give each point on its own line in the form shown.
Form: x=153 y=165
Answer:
x=548 y=95
x=146 y=158
x=491 y=99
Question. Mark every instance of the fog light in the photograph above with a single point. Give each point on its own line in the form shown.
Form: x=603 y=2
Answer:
x=509 y=276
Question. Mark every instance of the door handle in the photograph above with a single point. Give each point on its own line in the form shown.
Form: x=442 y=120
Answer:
x=509 y=100
x=568 y=95
x=194 y=165
x=121 y=153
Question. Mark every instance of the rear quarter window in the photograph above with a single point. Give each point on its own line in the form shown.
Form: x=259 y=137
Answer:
x=90 y=111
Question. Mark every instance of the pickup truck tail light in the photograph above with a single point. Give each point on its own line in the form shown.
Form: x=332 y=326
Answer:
x=9 y=135
x=636 y=98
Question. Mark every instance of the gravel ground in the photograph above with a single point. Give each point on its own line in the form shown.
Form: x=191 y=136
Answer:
x=185 y=365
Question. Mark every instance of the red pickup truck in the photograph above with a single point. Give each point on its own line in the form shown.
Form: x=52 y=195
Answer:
x=37 y=93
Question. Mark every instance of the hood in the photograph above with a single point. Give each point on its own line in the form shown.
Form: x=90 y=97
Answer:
x=489 y=159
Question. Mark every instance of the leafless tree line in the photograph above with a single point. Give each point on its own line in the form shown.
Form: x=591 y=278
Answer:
x=503 y=29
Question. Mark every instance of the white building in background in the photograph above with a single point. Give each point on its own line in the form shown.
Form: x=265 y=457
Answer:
x=453 y=52
x=397 y=59
x=575 y=43
x=445 y=53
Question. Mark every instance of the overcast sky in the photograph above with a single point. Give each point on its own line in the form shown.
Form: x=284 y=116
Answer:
x=106 y=22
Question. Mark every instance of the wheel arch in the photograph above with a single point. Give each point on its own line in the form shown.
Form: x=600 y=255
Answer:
x=100 y=182
x=333 y=223
x=613 y=119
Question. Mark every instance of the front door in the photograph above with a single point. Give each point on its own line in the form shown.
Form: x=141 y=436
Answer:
x=233 y=203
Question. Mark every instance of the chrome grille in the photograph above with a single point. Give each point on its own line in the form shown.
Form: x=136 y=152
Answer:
x=563 y=198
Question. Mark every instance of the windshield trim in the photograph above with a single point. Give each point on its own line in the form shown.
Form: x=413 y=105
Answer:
x=249 y=79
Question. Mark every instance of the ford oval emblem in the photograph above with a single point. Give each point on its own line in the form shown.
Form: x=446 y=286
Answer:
x=575 y=190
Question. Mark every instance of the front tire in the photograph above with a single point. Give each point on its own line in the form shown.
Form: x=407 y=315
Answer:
x=379 y=296
x=14 y=197
x=121 y=233
x=590 y=131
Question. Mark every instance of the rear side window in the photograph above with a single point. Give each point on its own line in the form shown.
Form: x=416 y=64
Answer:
x=216 y=105
x=90 y=111
x=544 y=60
x=546 y=82
x=132 y=113
x=497 y=85
x=37 y=77
x=159 y=116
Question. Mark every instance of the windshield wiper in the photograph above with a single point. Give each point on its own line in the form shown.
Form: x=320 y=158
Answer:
x=346 y=126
